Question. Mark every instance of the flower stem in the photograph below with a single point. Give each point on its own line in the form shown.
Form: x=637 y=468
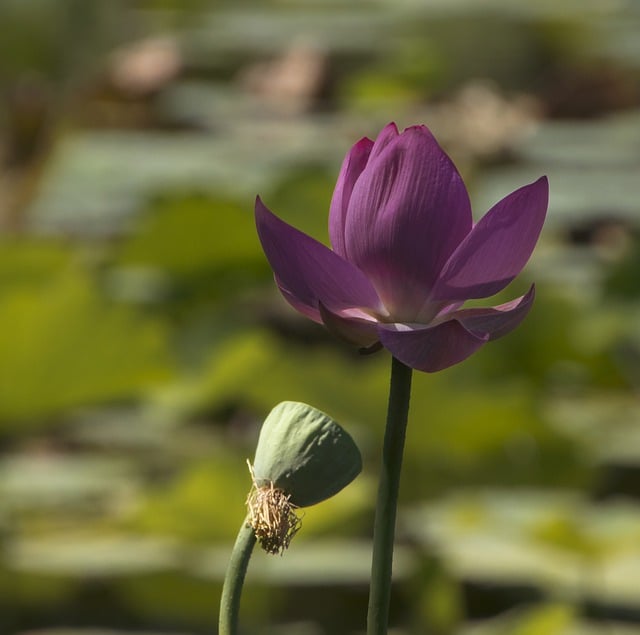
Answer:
x=234 y=579
x=387 y=503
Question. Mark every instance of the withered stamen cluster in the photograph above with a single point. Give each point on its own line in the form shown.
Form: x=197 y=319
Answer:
x=272 y=516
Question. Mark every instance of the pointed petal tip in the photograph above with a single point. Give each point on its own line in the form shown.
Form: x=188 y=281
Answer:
x=260 y=207
x=266 y=222
x=544 y=179
x=385 y=136
x=420 y=128
x=542 y=185
x=362 y=144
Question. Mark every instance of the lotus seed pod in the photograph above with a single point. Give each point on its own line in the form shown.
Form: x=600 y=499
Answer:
x=272 y=516
x=304 y=453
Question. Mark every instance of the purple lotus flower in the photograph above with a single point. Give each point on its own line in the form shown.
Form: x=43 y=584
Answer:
x=407 y=255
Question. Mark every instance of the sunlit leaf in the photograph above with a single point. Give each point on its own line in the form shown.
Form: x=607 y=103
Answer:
x=64 y=346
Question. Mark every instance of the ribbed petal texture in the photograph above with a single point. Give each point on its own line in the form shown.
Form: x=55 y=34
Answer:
x=406 y=254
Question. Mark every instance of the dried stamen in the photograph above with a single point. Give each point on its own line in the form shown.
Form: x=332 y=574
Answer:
x=272 y=516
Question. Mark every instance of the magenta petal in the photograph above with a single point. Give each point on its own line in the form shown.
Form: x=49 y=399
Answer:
x=356 y=331
x=308 y=270
x=498 y=320
x=497 y=248
x=408 y=211
x=310 y=311
x=352 y=167
x=431 y=349
x=385 y=136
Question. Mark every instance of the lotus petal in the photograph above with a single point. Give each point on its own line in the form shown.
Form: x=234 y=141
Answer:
x=352 y=166
x=408 y=211
x=498 y=320
x=309 y=271
x=430 y=348
x=497 y=248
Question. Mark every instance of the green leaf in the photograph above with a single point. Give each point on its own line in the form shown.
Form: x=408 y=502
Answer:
x=63 y=345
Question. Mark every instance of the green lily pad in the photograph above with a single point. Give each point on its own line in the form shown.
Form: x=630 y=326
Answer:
x=547 y=619
x=64 y=482
x=578 y=192
x=609 y=142
x=88 y=631
x=554 y=541
x=64 y=345
x=312 y=563
x=93 y=556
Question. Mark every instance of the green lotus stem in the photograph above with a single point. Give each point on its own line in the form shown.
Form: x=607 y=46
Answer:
x=387 y=503
x=234 y=580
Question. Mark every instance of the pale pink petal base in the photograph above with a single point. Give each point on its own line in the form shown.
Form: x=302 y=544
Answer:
x=431 y=349
x=357 y=331
x=435 y=348
x=498 y=320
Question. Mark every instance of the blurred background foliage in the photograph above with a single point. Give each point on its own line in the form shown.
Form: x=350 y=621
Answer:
x=142 y=341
